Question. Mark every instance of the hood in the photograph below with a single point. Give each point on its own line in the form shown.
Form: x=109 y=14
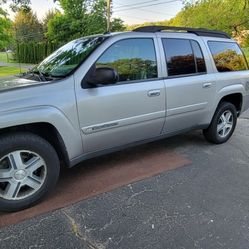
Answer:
x=16 y=82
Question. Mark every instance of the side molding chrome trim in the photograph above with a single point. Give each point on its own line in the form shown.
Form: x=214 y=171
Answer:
x=188 y=108
x=99 y=127
x=122 y=122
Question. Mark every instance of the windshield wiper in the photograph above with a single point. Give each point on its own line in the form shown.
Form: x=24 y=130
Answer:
x=41 y=75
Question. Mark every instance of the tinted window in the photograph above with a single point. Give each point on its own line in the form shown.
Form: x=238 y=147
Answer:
x=227 y=56
x=200 y=62
x=134 y=59
x=179 y=56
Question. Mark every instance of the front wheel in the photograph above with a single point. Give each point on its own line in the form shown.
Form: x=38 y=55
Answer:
x=222 y=125
x=29 y=169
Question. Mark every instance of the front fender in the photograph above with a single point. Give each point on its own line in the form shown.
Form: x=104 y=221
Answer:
x=46 y=114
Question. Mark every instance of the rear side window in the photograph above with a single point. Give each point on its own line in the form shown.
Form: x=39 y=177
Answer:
x=183 y=57
x=133 y=59
x=227 y=56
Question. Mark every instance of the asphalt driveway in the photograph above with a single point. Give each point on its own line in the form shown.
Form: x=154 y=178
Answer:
x=202 y=201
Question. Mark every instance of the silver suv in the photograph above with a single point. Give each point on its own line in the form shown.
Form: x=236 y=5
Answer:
x=102 y=93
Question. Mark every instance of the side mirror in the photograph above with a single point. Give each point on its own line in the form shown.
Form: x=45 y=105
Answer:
x=103 y=76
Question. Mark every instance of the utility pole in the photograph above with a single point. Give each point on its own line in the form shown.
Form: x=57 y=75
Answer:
x=108 y=15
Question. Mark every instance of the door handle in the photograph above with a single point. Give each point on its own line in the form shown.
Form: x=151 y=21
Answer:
x=154 y=93
x=207 y=85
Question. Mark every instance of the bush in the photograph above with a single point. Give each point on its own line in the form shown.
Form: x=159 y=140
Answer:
x=34 y=52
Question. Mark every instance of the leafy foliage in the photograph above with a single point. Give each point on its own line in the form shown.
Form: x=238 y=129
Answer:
x=27 y=26
x=16 y=5
x=33 y=52
x=231 y=16
x=228 y=15
x=80 y=18
x=5 y=30
x=48 y=16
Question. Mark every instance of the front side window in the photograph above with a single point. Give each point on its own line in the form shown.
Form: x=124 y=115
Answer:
x=133 y=59
x=183 y=57
x=227 y=56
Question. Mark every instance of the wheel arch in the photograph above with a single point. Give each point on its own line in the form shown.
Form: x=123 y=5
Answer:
x=234 y=98
x=48 y=132
x=46 y=117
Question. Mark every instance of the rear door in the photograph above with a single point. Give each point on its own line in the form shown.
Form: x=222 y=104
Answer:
x=132 y=109
x=189 y=87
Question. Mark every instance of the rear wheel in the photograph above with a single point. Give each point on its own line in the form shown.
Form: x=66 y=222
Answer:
x=222 y=125
x=29 y=169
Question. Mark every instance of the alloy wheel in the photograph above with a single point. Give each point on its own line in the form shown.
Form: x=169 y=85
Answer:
x=225 y=123
x=22 y=173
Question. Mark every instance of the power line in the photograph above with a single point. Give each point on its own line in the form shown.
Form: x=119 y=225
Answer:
x=157 y=12
x=153 y=11
x=137 y=18
x=128 y=5
x=148 y=5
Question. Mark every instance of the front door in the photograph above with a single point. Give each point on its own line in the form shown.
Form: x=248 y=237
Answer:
x=131 y=110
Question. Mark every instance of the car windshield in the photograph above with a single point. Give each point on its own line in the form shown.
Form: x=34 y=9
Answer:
x=64 y=60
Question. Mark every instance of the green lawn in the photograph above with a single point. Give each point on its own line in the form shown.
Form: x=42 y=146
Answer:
x=3 y=57
x=7 y=71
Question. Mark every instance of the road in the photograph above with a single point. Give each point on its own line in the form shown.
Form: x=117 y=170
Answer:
x=180 y=192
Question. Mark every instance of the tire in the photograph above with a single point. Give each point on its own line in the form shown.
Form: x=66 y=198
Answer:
x=222 y=125
x=29 y=169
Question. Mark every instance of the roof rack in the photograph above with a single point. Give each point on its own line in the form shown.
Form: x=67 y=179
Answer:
x=196 y=31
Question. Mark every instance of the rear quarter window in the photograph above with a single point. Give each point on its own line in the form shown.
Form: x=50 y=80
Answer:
x=227 y=56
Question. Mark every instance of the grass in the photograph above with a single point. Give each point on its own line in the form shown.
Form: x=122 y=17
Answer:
x=3 y=57
x=8 y=71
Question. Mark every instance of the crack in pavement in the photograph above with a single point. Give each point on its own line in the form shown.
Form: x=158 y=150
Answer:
x=76 y=231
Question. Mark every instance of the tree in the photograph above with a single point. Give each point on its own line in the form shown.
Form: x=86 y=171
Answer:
x=5 y=30
x=228 y=15
x=48 y=16
x=16 y=5
x=80 y=18
x=27 y=26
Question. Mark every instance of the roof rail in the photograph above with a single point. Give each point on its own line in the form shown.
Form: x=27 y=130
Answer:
x=196 y=31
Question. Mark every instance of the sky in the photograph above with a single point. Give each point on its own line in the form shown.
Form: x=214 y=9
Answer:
x=134 y=12
x=130 y=11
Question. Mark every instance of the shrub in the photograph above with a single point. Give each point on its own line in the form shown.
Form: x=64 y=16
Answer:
x=34 y=52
